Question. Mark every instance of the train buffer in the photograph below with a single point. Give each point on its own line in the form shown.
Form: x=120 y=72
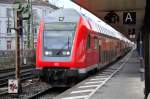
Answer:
x=122 y=83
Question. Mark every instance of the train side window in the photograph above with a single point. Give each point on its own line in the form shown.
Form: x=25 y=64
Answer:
x=89 y=41
x=95 y=43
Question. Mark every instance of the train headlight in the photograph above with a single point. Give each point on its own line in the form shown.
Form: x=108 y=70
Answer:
x=64 y=53
x=48 y=53
x=68 y=53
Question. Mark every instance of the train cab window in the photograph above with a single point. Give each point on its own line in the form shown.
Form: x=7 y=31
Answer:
x=95 y=43
x=89 y=41
x=58 y=36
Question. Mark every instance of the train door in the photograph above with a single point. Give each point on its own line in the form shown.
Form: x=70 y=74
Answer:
x=99 y=51
x=99 y=54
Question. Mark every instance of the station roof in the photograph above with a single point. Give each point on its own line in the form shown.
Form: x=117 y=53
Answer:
x=120 y=8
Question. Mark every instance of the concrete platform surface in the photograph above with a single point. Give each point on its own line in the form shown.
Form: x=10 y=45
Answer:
x=126 y=84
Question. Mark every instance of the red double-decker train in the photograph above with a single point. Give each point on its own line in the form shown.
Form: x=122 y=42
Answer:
x=70 y=45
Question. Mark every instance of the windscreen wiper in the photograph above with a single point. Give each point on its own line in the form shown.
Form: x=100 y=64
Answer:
x=67 y=43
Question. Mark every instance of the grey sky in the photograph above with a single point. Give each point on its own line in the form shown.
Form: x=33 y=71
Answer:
x=64 y=3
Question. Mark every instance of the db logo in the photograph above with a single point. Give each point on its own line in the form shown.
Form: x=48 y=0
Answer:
x=56 y=64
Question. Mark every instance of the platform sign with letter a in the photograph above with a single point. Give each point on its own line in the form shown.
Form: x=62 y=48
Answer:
x=129 y=17
x=12 y=86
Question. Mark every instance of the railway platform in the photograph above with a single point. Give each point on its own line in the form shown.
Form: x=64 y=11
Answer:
x=123 y=83
x=126 y=84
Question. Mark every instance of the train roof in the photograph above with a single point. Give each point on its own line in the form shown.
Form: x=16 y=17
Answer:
x=72 y=15
x=68 y=15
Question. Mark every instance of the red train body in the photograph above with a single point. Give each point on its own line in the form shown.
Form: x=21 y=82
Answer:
x=71 y=45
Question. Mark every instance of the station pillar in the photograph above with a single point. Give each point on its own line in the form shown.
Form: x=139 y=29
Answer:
x=147 y=63
x=146 y=39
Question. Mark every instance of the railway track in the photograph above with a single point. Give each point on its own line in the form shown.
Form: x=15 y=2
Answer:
x=13 y=69
x=30 y=90
x=48 y=93
x=33 y=90
x=38 y=94
x=26 y=73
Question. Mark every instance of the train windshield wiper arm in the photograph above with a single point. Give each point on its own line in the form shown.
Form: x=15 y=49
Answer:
x=67 y=43
x=61 y=49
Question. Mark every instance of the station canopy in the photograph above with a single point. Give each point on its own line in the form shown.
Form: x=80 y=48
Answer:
x=126 y=16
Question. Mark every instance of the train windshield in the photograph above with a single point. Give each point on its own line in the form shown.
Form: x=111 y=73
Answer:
x=58 y=35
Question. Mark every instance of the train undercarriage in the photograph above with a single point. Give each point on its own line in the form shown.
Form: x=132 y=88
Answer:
x=61 y=77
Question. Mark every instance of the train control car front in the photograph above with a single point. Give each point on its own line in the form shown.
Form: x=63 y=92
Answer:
x=61 y=46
